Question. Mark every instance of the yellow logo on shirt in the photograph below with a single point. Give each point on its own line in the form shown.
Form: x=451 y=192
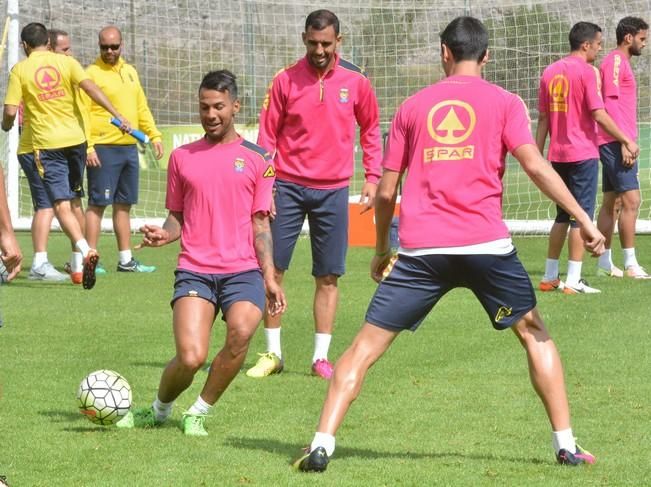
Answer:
x=449 y=123
x=48 y=79
x=616 y=64
x=559 y=89
x=269 y=172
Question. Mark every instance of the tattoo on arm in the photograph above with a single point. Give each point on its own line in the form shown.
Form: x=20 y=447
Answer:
x=262 y=241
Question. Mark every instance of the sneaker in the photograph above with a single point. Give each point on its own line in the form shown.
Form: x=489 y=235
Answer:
x=138 y=418
x=612 y=272
x=581 y=456
x=637 y=272
x=268 y=363
x=581 y=287
x=553 y=285
x=99 y=270
x=46 y=272
x=76 y=277
x=67 y=268
x=322 y=368
x=193 y=424
x=90 y=264
x=134 y=266
x=312 y=461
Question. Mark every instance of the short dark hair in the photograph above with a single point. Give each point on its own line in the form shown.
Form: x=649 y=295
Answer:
x=221 y=80
x=466 y=38
x=34 y=34
x=582 y=32
x=320 y=19
x=54 y=34
x=629 y=25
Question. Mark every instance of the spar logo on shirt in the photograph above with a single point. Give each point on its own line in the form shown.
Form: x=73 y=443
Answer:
x=450 y=123
x=48 y=79
x=559 y=89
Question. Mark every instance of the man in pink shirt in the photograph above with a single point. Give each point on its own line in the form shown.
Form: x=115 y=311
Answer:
x=218 y=197
x=308 y=121
x=619 y=176
x=451 y=139
x=569 y=105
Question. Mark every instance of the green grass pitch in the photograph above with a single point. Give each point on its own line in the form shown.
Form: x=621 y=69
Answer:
x=448 y=405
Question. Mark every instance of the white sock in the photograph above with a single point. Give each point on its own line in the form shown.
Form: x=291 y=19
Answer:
x=162 y=410
x=563 y=440
x=76 y=262
x=629 y=258
x=606 y=260
x=326 y=441
x=83 y=247
x=273 y=341
x=551 y=270
x=40 y=258
x=200 y=407
x=573 y=272
x=125 y=256
x=321 y=346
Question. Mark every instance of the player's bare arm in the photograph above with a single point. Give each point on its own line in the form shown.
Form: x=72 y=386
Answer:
x=9 y=249
x=98 y=96
x=385 y=202
x=8 y=117
x=155 y=236
x=276 y=302
x=630 y=150
x=541 y=131
x=550 y=183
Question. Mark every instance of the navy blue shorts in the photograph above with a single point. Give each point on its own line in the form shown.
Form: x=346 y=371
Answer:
x=62 y=171
x=415 y=284
x=222 y=290
x=581 y=179
x=327 y=214
x=40 y=199
x=116 y=180
x=614 y=176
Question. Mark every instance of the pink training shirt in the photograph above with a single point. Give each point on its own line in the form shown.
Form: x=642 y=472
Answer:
x=309 y=122
x=620 y=94
x=569 y=92
x=218 y=187
x=452 y=138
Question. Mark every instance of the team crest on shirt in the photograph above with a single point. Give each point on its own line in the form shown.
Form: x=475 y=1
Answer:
x=239 y=165
x=450 y=123
x=269 y=172
x=502 y=313
x=48 y=79
x=343 y=95
x=559 y=89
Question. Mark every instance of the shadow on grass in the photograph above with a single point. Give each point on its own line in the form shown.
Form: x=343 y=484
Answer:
x=62 y=416
x=293 y=451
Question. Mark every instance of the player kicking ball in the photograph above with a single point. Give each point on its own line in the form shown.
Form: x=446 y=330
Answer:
x=218 y=197
x=452 y=233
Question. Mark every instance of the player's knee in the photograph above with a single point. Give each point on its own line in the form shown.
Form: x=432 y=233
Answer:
x=192 y=360
x=328 y=281
x=238 y=338
x=531 y=327
x=631 y=202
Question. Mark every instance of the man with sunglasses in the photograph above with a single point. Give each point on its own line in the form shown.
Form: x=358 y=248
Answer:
x=113 y=167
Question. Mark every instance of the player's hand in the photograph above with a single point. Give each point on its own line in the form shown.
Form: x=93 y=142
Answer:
x=379 y=265
x=125 y=126
x=153 y=236
x=628 y=154
x=92 y=160
x=593 y=240
x=367 y=198
x=158 y=149
x=276 y=302
x=10 y=254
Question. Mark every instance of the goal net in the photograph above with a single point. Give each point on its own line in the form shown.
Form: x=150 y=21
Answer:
x=173 y=43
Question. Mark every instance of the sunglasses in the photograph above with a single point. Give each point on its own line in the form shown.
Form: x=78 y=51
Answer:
x=112 y=47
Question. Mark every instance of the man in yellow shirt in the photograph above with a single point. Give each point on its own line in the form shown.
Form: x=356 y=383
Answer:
x=113 y=167
x=45 y=83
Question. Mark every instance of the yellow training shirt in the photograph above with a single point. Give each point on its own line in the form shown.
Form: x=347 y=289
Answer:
x=122 y=86
x=45 y=83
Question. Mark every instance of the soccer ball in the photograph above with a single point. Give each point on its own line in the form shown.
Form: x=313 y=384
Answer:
x=104 y=397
